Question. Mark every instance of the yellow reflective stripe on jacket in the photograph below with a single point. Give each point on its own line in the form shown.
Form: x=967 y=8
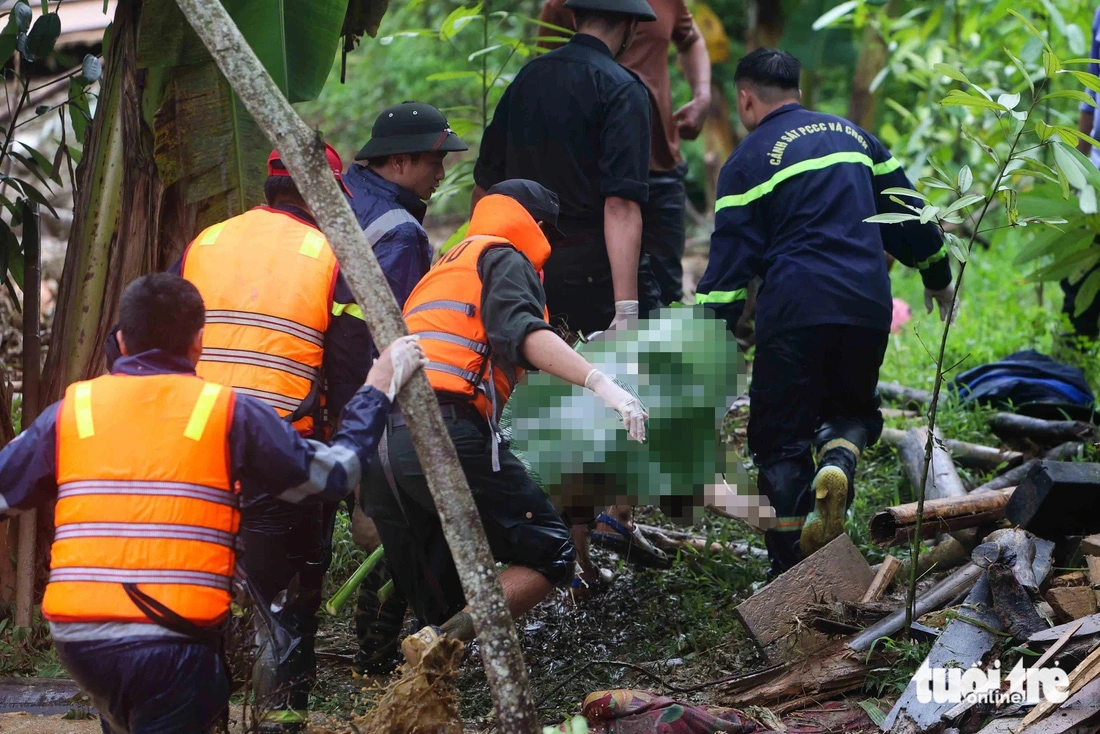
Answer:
x=932 y=259
x=210 y=236
x=84 y=425
x=350 y=309
x=721 y=296
x=813 y=164
x=201 y=414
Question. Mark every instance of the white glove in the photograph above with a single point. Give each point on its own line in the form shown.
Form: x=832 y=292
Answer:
x=624 y=310
x=943 y=297
x=407 y=356
x=619 y=400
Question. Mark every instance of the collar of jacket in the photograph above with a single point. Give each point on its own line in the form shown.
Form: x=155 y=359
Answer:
x=790 y=107
x=584 y=39
x=297 y=212
x=382 y=188
x=153 y=362
x=502 y=216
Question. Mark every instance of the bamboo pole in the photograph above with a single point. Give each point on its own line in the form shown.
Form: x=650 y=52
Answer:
x=973 y=455
x=303 y=153
x=895 y=525
x=32 y=366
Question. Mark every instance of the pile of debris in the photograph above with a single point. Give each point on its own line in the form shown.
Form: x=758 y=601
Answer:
x=1014 y=629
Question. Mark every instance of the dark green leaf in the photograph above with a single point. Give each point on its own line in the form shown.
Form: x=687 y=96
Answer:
x=935 y=183
x=1023 y=70
x=1089 y=80
x=950 y=71
x=31 y=166
x=37 y=196
x=459 y=18
x=1086 y=294
x=43 y=162
x=79 y=112
x=43 y=36
x=1073 y=170
x=42 y=109
x=1033 y=29
x=957 y=98
x=1063 y=267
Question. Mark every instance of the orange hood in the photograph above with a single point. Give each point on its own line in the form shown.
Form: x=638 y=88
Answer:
x=502 y=216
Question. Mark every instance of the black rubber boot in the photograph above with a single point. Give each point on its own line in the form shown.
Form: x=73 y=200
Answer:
x=378 y=625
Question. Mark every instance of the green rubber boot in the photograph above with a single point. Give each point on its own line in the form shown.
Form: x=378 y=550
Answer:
x=833 y=488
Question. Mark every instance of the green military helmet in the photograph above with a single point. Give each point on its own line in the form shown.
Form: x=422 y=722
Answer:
x=640 y=9
x=411 y=127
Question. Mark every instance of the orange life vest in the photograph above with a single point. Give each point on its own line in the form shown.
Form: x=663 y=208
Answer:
x=444 y=307
x=145 y=497
x=267 y=279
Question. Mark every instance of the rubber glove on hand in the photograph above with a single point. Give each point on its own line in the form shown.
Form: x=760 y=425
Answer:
x=396 y=365
x=619 y=400
x=943 y=297
x=624 y=310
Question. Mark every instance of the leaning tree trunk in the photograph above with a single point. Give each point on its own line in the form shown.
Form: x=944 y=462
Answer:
x=302 y=151
x=765 y=26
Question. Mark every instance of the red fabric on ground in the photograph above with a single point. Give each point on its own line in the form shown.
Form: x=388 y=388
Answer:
x=626 y=711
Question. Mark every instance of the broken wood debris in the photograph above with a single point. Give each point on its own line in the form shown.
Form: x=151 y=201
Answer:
x=837 y=572
x=902 y=395
x=975 y=456
x=883 y=578
x=1058 y=498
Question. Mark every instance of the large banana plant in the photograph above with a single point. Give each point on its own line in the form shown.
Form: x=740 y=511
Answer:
x=171 y=151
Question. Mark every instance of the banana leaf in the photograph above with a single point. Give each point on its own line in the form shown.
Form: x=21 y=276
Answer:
x=204 y=140
x=685 y=368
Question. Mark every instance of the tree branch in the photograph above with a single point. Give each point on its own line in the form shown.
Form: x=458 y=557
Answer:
x=303 y=153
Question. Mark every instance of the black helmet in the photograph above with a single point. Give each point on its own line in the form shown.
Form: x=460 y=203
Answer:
x=410 y=127
x=640 y=9
x=540 y=202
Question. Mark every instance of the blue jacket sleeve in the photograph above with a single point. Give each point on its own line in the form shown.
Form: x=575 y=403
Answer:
x=28 y=464
x=736 y=248
x=405 y=256
x=267 y=452
x=349 y=349
x=914 y=244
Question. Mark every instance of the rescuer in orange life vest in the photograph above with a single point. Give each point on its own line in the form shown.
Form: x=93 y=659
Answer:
x=149 y=465
x=481 y=316
x=280 y=322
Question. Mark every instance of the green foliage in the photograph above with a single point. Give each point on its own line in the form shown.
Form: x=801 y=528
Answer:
x=894 y=678
x=33 y=44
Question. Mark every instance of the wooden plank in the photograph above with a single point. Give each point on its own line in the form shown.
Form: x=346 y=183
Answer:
x=883 y=578
x=1090 y=545
x=1072 y=602
x=1085 y=673
x=1071 y=630
x=837 y=572
x=1078 y=715
x=1088 y=626
x=896 y=525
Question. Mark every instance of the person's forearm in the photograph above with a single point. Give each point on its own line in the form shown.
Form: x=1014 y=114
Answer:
x=696 y=63
x=1084 y=125
x=477 y=196
x=622 y=229
x=546 y=351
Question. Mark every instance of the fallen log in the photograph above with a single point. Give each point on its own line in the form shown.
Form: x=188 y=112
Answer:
x=971 y=455
x=1010 y=426
x=896 y=525
x=895 y=393
x=674 y=540
x=943 y=479
x=947 y=554
x=1014 y=476
x=931 y=600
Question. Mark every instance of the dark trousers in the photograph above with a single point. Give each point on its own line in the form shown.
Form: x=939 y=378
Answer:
x=150 y=685
x=1088 y=323
x=287 y=548
x=809 y=386
x=579 y=292
x=663 y=231
x=519 y=521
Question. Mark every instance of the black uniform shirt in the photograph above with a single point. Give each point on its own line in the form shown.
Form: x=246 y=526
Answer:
x=579 y=124
x=512 y=300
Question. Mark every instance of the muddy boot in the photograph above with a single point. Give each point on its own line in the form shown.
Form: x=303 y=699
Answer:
x=833 y=489
x=378 y=624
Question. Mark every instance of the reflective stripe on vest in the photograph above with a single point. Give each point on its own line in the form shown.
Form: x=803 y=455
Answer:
x=386 y=223
x=145 y=497
x=467 y=308
x=479 y=347
x=267 y=281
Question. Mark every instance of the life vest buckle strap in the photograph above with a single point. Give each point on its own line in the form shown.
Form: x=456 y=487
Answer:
x=472 y=377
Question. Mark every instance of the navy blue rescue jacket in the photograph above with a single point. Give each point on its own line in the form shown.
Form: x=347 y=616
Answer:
x=792 y=200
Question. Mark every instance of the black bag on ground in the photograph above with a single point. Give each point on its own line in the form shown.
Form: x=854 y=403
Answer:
x=1031 y=384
